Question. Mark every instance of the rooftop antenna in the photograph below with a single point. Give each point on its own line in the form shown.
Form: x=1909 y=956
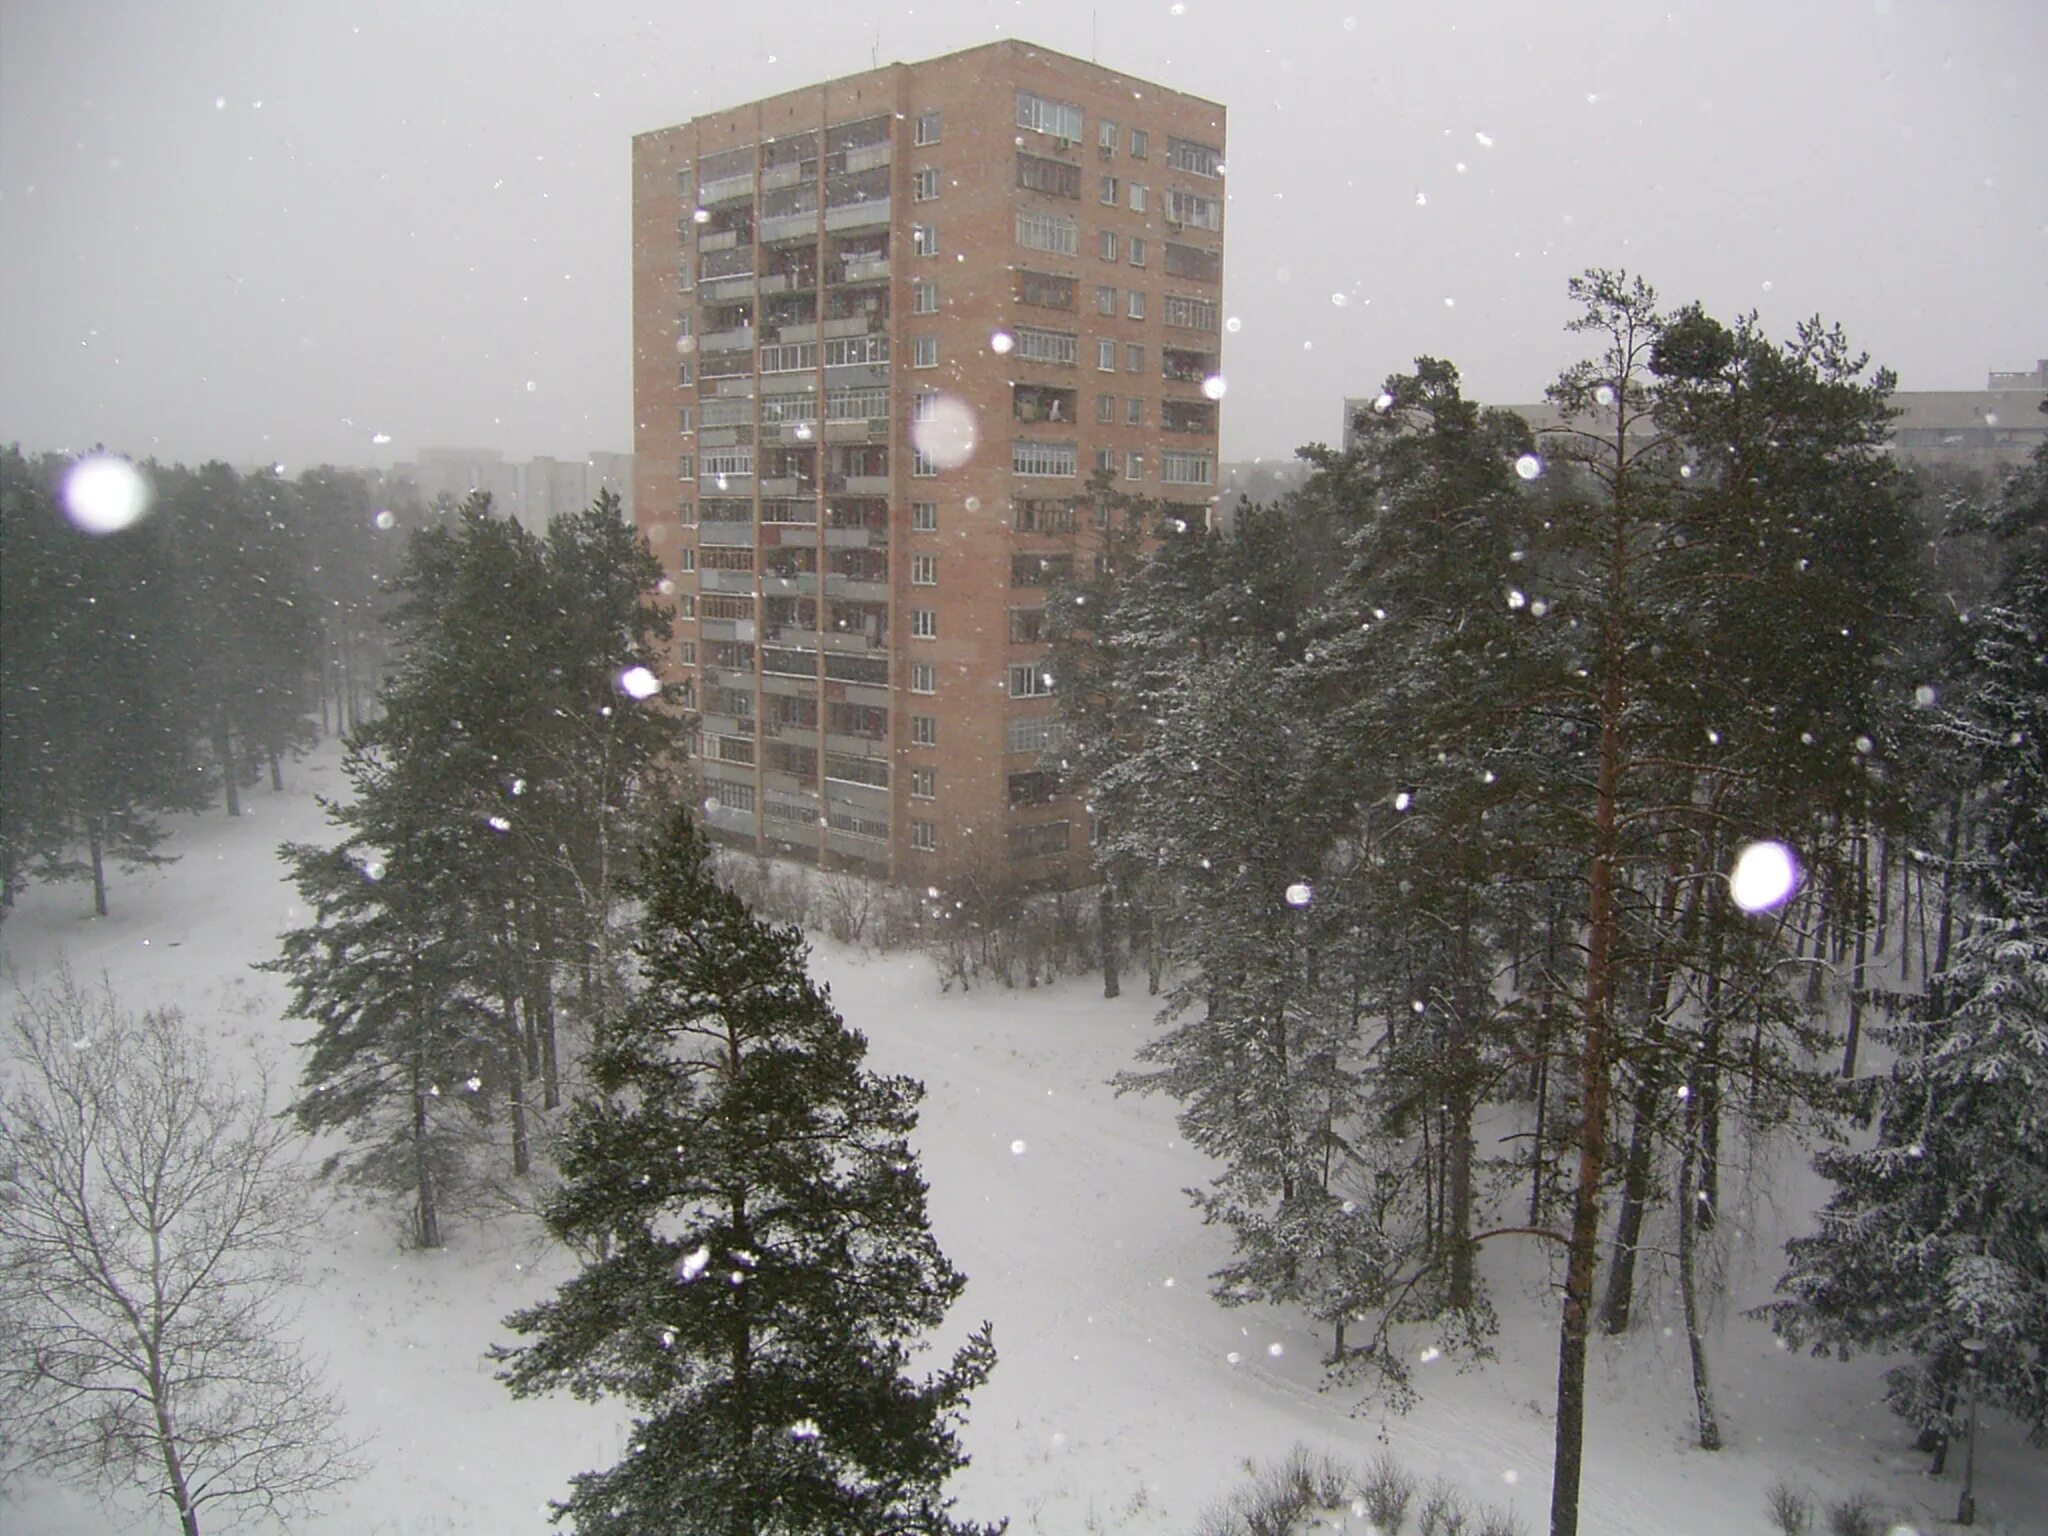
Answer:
x=1092 y=52
x=875 y=52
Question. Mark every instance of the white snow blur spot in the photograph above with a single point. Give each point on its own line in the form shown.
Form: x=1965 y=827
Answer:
x=1403 y=800
x=1017 y=1147
x=1924 y=696
x=1422 y=199
x=694 y=1264
x=387 y=520
x=1383 y=402
x=1276 y=1349
x=803 y=431
x=1528 y=466
x=373 y=869
x=473 y=1084
x=804 y=1429
x=104 y=494
x=1215 y=386
x=1233 y=325
x=1339 y=300
x=1510 y=1476
x=1865 y=745
x=1604 y=395
x=1233 y=1357
x=1001 y=341
x=1767 y=285
x=1300 y=894
x=500 y=824
x=1430 y=1353
x=972 y=504
x=685 y=345
x=532 y=385
x=639 y=683
x=1168 y=1282
x=380 y=437
x=1485 y=140
x=1764 y=875
x=1516 y=598
x=947 y=433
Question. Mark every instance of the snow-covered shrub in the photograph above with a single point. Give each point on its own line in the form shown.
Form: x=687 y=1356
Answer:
x=1386 y=1490
x=1443 y=1510
x=1791 y=1509
x=1858 y=1515
x=1497 y=1521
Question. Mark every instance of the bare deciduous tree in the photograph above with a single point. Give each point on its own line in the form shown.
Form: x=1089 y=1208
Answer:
x=150 y=1225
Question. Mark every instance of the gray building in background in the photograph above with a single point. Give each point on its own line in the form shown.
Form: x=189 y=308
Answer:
x=1992 y=429
x=532 y=492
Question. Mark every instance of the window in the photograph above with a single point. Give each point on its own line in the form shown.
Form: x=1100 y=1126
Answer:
x=1137 y=250
x=1033 y=787
x=1196 y=212
x=1186 y=468
x=1134 y=305
x=686 y=558
x=1196 y=159
x=1042 y=514
x=1029 y=458
x=1055 y=178
x=922 y=465
x=924 y=570
x=924 y=835
x=733 y=461
x=1134 y=411
x=1030 y=681
x=1189 y=312
x=1036 y=733
x=686 y=605
x=1107 y=195
x=924 y=677
x=924 y=623
x=1042 y=346
x=686 y=513
x=924 y=352
x=686 y=466
x=1140 y=143
x=732 y=797
x=1105 y=245
x=686 y=652
x=1105 y=462
x=1105 y=355
x=687 y=420
x=1040 y=570
x=924 y=730
x=1105 y=135
x=924 y=239
x=1105 y=408
x=1134 y=357
x=924 y=517
x=1048 y=232
x=686 y=373
x=1041 y=114
x=1137 y=197
x=1039 y=842
x=1134 y=466
x=1044 y=289
x=1027 y=627
x=924 y=296
x=927 y=128
x=923 y=786
x=1192 y=261
x=1105 y=301
x=924 y=184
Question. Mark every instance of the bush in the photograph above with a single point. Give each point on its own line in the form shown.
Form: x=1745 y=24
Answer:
x=1497 y=1521
x=1791 y=1510
x=1278 y=1495
x=1385 y=1491
x=1857 y=1515
x=1443 y=1510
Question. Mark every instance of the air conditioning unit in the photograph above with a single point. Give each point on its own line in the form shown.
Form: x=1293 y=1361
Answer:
x=1064 y=145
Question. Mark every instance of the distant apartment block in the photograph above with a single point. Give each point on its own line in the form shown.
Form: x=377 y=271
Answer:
x=886 y=330
x=1992 y=429
x=532 y=493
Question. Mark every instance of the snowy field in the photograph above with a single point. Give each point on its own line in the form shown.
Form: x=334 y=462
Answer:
x=1124 y=1400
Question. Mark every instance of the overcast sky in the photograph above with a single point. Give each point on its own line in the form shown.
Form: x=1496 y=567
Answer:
x=275 y=230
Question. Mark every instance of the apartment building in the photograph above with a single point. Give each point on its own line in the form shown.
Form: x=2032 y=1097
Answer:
x=886 y=330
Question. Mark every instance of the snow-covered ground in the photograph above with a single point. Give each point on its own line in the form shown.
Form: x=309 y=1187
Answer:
x=1125 y=1398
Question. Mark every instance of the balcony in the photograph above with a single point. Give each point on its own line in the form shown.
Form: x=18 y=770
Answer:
x=866 y=269
x=741 y=582
x=725 y=190
x=776 y=177
x=862 y=215
x=790 y=226
x=724 y=240
x=855 y=590
x=740 y=339
x=856 y=485
x=788 y=487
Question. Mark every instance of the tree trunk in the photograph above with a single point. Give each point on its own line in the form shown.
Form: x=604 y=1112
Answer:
x=276 y=772
x=167 y=1444
x=1618 y=1303
x=1106 y=936
x=1594 y=1084
x=1702 y=1390
x=422 y=1163
x=96 y=842
x=224 y=754
x=1857 y=977
x=1944 y=924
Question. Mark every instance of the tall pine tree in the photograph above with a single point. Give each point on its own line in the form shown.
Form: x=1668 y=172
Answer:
x=764 y=1265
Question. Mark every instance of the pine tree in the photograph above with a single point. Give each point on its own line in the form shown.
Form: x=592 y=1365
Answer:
x=1932 y=1245
x=763 y=1262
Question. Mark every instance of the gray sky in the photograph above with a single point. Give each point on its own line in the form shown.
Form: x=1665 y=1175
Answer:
x=272 y=230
